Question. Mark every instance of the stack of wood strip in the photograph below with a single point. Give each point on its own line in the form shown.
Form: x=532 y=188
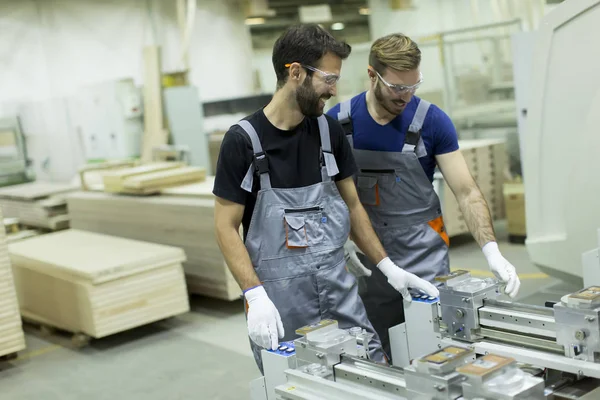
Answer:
x=11 y=330
x=38 y=204
x=151 y=178
x=14 y=231
x=487 y=160
x=181 y=216
x=96 y=284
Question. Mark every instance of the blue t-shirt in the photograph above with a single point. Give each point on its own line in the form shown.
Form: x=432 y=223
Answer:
x=438 y=132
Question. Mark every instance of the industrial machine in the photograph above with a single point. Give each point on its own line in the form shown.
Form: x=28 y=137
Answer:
x=14 y=165
x=471 y=346
x=560 y=143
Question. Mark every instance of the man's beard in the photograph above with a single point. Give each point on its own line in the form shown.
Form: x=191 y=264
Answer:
x=308 y=99
x=387 y=104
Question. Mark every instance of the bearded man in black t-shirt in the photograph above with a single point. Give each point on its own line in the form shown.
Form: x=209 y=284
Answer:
x=286 y=174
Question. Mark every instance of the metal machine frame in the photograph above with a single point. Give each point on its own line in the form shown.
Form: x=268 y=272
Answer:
x=553 y=352
x=463 y=331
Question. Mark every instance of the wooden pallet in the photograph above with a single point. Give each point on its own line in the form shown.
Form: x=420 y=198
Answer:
x=48 y=328
x=11 y=225
x=9 y=357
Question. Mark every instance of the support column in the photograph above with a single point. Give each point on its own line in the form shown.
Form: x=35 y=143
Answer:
x=221 y=51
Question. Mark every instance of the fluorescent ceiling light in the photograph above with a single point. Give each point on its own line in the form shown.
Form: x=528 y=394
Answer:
x=338 y=26
x=255 y=21
x=364 y=11
x=315 y=14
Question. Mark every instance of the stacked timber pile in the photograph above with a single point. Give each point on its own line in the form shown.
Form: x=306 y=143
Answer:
x=37 y=204
x=11 y=330
x=97 y=285
x=487 y=161
x=14 y=231
x=145 y=179
x=182 y=216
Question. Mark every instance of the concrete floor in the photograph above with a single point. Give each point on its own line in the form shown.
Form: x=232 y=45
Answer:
x=200 y=355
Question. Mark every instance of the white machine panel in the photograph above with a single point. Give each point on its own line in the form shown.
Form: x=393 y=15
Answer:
x=418 y=336
x=562 y=141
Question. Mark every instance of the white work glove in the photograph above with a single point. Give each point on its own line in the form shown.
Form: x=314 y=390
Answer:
x=402 y=280
x=503 y=270
x=264 y=322
x=355 y=267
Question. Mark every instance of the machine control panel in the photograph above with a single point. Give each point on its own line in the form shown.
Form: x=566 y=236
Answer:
x=285 y=349
x=424 y=298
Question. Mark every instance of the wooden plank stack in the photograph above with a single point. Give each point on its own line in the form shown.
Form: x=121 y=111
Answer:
x=14 y=232
x=214 y=148
x=12 y=339
x=151 y=178
x=96 y=284
x=514 y=201
x=183 y=218
x=38 y=204
x=487 y=160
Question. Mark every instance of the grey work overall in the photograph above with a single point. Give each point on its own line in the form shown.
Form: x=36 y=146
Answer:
x=406 y=215
x=296 y=244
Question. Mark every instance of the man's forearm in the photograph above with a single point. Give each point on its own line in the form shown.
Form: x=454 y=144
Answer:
x=477 y=216
x=237 y=257
x=363 y=234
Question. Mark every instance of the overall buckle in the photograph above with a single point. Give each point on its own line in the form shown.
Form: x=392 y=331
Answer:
x=261 y=163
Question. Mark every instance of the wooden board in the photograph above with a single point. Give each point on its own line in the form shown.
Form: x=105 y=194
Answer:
x=35 y=190
x=97 y=284
x=114 y=181
x=150 y=178
x=201 y=189
x=37 y=204
x=154 y=132
x=183 y=221
x=22 y=235
x=12 y=338
x=161 y=179
x=92 y=257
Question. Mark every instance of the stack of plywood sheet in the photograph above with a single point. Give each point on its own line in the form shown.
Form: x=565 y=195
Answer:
x=487 y=160
x=214 y=148
x=183 y=217
x=151 y=178
x=11 y=330
x=96 y=284
x=38 y=204
x=15 y=233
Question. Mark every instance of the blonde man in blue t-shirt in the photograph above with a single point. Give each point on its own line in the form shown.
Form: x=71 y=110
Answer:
x=397 y=140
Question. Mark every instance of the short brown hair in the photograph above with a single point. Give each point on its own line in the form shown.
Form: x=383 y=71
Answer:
x=396 y=51
x=305 y=44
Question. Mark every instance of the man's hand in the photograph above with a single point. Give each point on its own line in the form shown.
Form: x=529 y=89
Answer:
x=355 y=267
x=402 y=280
x=502 y=269
x=264 y=322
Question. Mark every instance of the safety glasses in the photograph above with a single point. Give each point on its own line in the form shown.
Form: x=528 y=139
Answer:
x=328 y=77
x=401 y=89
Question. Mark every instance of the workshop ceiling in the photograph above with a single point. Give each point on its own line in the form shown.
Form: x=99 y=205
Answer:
x=348 y=17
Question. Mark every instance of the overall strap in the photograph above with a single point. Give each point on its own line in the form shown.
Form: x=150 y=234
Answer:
x=413 y=140
x=344 y=116
x=331 y=168
x=259 y=163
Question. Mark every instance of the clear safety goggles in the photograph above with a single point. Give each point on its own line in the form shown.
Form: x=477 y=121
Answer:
x=401 y=89
x=328 y=77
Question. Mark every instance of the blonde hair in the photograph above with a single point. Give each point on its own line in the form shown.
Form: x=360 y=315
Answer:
x=396 y=51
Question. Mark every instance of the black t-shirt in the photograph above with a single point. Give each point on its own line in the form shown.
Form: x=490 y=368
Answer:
x=293 y=157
